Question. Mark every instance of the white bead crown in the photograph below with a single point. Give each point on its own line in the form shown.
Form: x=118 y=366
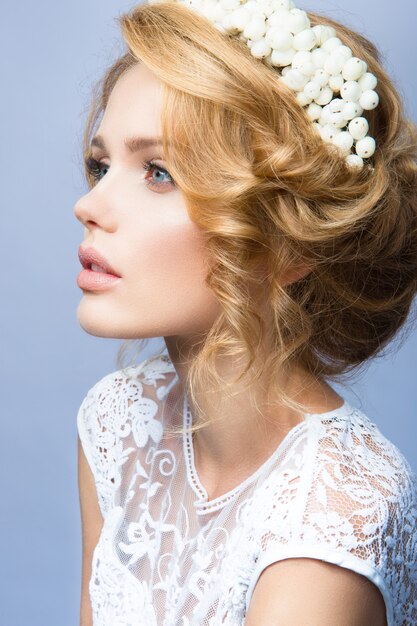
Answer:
x=331 y=84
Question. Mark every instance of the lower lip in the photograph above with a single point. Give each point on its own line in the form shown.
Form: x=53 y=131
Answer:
x=97 y=281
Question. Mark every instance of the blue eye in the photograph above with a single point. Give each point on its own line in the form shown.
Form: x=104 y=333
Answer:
x=149 y=165
x=94 y=170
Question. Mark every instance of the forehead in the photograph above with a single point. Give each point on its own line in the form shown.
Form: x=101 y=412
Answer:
x=134 y=103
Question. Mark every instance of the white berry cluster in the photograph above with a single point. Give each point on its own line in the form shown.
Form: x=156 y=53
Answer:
x=333 y=85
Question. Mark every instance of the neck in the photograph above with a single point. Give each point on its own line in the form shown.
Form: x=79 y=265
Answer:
x=252 y=424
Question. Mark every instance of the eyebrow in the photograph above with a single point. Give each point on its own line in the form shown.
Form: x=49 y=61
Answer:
x=133 y=144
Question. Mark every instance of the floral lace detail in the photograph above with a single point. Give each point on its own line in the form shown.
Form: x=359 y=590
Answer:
x=117 y=598
x=359 y=511
x=336 y=489
x=112 y=410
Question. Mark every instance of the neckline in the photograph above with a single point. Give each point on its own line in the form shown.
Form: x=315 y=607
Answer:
x=202 y=504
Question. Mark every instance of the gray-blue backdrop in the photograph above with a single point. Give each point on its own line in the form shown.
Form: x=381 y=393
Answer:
x=51 y=53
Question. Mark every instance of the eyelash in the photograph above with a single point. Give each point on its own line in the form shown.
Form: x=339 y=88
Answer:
x=93 y=169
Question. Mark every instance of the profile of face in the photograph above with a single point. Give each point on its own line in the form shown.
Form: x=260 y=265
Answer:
x=136 y=219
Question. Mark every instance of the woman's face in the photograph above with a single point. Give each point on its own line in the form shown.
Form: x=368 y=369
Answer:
x=137 y=220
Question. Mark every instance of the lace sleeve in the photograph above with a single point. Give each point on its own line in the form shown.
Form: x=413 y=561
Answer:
x=98 y=432
x=116 y=418
x=356 y=507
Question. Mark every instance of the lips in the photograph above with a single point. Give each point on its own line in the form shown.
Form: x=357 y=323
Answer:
x=90 y=256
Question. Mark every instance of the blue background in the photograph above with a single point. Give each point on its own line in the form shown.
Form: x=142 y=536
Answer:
x=51 y=53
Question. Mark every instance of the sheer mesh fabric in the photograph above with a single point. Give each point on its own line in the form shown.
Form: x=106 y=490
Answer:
x=335 y=489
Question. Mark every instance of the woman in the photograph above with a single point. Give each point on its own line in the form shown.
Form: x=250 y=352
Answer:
x=223 y=480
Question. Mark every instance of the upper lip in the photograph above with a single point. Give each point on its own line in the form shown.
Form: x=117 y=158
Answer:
x=90 y=255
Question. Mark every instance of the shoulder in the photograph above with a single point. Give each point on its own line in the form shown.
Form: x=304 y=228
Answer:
x=354 y=506
x=362 y=477
x=120 y=410
x=129 y=382
x=352 y=451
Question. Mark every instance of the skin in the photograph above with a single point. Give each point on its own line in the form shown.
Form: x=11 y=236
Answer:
x=139 y=222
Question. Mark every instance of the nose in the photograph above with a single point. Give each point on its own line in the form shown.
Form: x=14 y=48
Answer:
x=92 y=210
x=83 y=210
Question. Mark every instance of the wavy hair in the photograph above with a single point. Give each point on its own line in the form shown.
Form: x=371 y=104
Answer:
x=272 y=198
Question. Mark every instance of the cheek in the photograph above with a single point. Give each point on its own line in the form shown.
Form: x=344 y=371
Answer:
x=166 y=269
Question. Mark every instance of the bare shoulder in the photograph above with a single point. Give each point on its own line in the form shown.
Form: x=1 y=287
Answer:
x=314 y=592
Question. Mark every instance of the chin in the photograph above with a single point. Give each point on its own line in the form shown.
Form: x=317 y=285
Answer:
x=96 y=322
x=92 y=327
x=105 y=323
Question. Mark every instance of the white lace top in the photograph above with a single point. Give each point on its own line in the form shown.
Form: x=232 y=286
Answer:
x=335 y=489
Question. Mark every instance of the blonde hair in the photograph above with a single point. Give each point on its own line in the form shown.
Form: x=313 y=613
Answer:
x=267 y=191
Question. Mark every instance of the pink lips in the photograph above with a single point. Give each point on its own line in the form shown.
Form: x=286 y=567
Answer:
x=88 y=256
x=99 y=278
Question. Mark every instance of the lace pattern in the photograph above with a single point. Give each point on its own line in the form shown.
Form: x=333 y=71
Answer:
x=336 y=489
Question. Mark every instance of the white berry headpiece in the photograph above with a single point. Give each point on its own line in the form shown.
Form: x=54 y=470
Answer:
x=331 y=84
